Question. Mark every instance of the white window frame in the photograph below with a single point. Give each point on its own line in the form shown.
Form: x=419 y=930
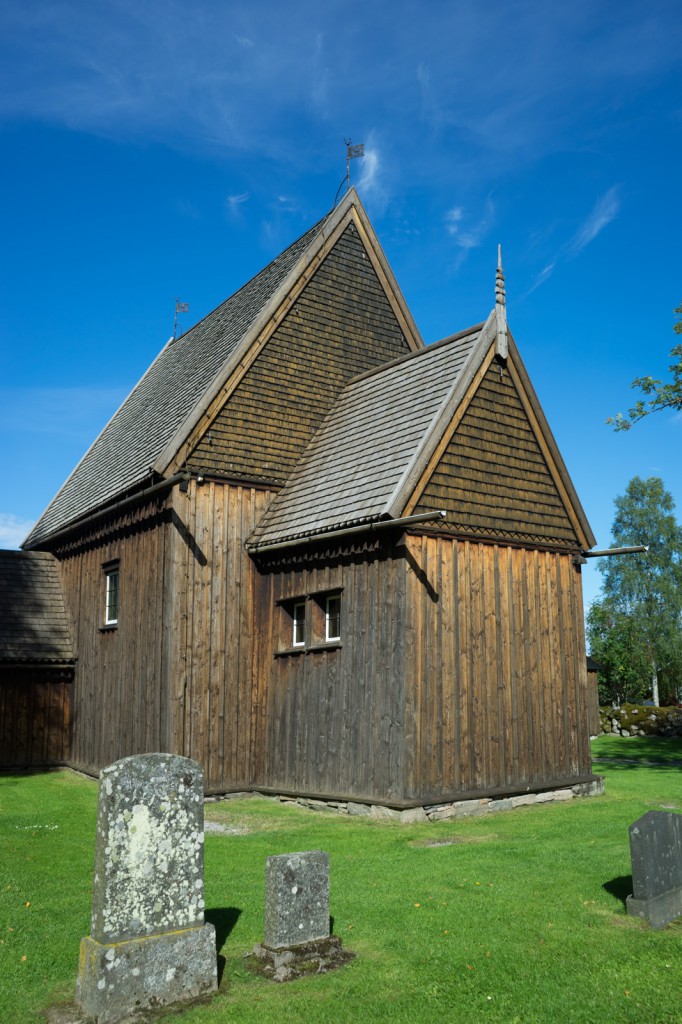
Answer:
x=298 y=617
x=112 y=595
x=329 y=617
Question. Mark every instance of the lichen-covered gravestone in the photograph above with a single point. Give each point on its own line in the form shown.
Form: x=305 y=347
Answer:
x=148 y=945
x=656 y=854
x=296 y=899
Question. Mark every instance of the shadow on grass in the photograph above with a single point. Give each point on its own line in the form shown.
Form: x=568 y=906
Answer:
x=223 y=920
x=627 y=764
x=620 y=887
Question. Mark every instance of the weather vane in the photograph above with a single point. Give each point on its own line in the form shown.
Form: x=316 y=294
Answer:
x=351 y=153
x=180 y=307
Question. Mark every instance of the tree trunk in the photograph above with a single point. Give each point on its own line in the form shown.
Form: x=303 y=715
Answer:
x=654 y=684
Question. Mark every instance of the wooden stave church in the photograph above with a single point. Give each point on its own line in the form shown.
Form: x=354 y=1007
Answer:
x=290 y=454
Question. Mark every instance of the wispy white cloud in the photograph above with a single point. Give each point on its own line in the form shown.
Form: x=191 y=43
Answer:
x=13 y=530
x=605 y=210
x=467 y=234
x=544 y=274
x=240 y=77
x=372 y=181
x=234 y=202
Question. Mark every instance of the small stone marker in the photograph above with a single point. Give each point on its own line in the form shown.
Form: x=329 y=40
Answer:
x=656 y=854
x=296 y=899
x=149 y=945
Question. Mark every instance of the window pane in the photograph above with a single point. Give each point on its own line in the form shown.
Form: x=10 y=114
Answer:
x=112 y=597
x=333 y=618
x=299 y=624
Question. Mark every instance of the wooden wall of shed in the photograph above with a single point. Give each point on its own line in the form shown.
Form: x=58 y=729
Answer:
x=330 y=719
x=34 y=716
x=496 y=677
x=215 y=642
x=120 y=704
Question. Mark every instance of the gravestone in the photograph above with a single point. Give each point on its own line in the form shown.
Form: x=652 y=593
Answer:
x=656 y=854
x=149 y=945
x=296 y=899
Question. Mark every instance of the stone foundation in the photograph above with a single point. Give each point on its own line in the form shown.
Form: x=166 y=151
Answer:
x=439 y=812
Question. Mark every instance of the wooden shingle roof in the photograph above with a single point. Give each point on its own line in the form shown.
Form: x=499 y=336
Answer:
x=359 y=463
x=34 y=627
x=123 y=456
x=156 y=429
x=391 y=432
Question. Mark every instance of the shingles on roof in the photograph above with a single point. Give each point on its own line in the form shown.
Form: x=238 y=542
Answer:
x=120 y=459
x=350 y=471
x=34 y=627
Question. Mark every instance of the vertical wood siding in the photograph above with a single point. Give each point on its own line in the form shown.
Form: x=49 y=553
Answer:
x=34 y=716
x=330 y=720
x=496 y=684
x=215 y=634
x=120 y=690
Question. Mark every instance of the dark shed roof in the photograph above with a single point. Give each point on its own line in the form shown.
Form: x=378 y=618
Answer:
x=34 y=626
x=122 y=457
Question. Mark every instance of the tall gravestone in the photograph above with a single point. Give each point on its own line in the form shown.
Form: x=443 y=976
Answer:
x=149 y=945
x=656 y=854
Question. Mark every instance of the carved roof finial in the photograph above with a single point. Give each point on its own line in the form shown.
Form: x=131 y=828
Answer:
x=501 y=346
x=500 y=294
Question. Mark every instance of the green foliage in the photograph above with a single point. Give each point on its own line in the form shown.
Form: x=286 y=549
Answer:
x=658 y=395
x=616 y=645
x=635 y=630
x=518 y=916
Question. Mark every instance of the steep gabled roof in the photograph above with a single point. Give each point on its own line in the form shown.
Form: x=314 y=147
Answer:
x=380 y=444
x=359 y=464
x=144 y=436
x=123 y=455
x=34 y=627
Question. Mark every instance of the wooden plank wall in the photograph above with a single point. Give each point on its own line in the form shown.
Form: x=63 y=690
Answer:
x=120 y=704
x=496 y=674
x=213 y=628
x=34 y=716
x=330 y=720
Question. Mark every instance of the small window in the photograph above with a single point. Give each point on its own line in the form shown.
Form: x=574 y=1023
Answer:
x=332 y=618
x=298 y=619
x=111 y=602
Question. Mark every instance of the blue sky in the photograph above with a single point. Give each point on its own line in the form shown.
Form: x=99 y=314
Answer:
x=172 y=149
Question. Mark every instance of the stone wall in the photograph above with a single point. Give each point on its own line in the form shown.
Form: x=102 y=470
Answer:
x=637 y=720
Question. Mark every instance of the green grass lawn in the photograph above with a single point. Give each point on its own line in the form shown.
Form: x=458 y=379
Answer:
x=516 y=918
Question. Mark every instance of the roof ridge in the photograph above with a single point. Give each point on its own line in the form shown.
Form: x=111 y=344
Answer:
x=254 y=277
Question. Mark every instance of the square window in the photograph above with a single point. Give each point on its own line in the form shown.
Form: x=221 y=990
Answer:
x=111 y=602
x=298 y=620
x=332 y=618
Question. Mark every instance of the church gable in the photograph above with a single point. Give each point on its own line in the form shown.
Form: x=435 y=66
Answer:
x=341 y=325
x=494 y=477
